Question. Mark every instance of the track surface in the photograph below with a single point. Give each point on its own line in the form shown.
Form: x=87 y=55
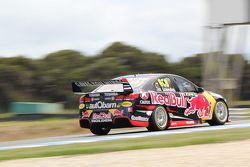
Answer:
x=237 y=122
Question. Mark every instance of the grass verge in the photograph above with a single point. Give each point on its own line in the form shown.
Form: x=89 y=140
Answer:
x=175 y=140
x=17 y=130
x=248 y=115
x=241 y=103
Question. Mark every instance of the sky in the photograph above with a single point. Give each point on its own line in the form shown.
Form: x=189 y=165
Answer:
x=34 y=28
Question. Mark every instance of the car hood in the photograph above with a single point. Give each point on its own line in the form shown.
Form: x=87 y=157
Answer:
x=217 y=96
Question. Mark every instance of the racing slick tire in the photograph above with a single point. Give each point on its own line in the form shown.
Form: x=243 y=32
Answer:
x=100 y=130
x=158 y=120
x=220 y=114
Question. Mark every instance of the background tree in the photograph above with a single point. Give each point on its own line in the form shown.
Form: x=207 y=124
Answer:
x=49 y=79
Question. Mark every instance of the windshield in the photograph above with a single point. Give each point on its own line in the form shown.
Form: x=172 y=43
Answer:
x=136 y=83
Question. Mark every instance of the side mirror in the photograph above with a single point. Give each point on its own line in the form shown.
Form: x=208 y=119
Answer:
x=200 y=90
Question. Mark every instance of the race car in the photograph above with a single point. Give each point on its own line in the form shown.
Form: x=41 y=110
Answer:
x=154 y=101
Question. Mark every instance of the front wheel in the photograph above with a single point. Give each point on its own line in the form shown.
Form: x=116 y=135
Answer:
x=158 y=120
x=100 y=130
x=220 y=114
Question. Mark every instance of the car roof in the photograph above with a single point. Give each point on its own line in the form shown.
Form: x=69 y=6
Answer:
x=153 y=75
x=150 y=75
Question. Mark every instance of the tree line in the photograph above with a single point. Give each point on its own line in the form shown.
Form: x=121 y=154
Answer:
x=49 y=79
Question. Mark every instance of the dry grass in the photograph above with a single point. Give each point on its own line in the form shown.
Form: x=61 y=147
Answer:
x=16 y=130
x=163 y=141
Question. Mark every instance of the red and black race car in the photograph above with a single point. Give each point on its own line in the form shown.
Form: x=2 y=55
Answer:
x=154 y=101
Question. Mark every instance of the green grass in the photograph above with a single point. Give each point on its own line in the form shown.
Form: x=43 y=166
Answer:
x=248 y=114
x=6 y=115
x=175 y=140
x=240 y=103
x=17 y=130
x=46 y=121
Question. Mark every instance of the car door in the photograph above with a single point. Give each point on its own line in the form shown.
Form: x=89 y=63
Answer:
x=194 y=105
x=173 y=100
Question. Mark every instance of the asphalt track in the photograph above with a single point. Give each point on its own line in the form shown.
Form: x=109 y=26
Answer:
x=237 y=122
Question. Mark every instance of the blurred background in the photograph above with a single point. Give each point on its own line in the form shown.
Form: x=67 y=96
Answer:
x=44 y=45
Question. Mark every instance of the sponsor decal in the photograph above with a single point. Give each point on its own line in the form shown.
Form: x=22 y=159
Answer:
x=101 y=105
x=145 y=102
x=81 y=106
x=128 y=109
x=118 y=105
x=126 y=104
x=109 y=98
x=110 y=94
x=144 y=95
x=190 y=94
x=95 y=98
x=102 y=117
x=182 y=123
x=94 y=95
x=169 y=99
x=86 y=113
x=168 y=89
x=198 y=104
x=164 y=83
x=87 y=99
x=119 y=98
x=139 y=118
x=190 y=122
x=173 y=123
x=115 y=112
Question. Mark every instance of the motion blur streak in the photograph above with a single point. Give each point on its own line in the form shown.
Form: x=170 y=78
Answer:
x=92 y=138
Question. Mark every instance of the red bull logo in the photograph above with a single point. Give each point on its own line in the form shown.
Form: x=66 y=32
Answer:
x=170 y=99
x=101 y=115
x=117 y=112
x=85 y=114
x=198 y=104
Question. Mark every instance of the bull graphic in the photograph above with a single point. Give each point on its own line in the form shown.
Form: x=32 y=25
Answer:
x=199 y=104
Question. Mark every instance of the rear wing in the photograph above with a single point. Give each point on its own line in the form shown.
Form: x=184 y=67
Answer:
x=78 y=85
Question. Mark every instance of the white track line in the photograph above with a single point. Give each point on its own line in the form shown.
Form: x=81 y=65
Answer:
x=89 y=139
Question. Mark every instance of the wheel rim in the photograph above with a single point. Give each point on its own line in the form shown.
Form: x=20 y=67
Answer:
x=221 y=111
x=161 y=117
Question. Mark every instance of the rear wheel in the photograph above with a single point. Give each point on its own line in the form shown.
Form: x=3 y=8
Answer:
x=100 y=130
x=158 y=120
x=220 y=114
